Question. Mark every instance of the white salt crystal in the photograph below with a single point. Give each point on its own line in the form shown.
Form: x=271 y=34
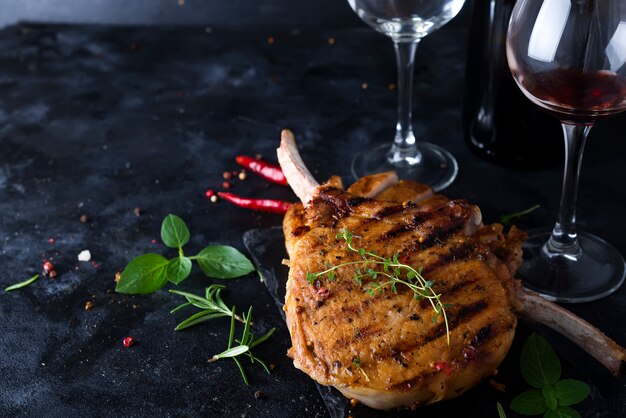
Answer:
x=84 y=256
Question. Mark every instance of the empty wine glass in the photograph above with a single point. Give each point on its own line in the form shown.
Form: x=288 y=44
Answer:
x=406 y=22
x=568 y=57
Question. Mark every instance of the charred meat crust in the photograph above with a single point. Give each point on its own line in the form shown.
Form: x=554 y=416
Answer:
x=392 y=335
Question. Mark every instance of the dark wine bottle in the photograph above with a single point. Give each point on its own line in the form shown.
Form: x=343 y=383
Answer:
x=500 y=124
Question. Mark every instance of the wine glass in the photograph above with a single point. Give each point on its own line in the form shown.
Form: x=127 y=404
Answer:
x=406 y=22
x=568 y=56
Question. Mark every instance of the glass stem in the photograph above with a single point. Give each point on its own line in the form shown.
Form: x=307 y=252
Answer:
x=564 y=239
x=404 y=150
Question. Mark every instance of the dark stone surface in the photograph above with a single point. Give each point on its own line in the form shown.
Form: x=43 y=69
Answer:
x=103 y=120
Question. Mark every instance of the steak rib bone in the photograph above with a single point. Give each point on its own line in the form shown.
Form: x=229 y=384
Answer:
x=299 y=177
x=532 y=306
x=525 y=303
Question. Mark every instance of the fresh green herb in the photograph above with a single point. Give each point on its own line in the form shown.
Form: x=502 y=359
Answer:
x=223 y=262
x=357 y=363
x=21 y=284
x=501 y=413
x=541 y=368
x=174 y=232
x=384 y=274
x=211 y=304
x=506 y=219
x=150 y=272
x=246 y=344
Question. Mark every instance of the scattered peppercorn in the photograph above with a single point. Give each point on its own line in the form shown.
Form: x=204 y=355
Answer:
x=272 y=366
x=53 y=274
x=209 y=193
x=242 y=176
x=259 y=395
x=443 y=366
x=51 y=240
x=226 y=185
x=392 y=86
x=258 y=156
x=270 y=40
x=128 y=341
x=88 y=305
x=84 y=218
x=226 y=175
x=364 y=86
x=353 y=402
x=331 y=41
x=47 y=267
x=213 y=199
x=137 y=211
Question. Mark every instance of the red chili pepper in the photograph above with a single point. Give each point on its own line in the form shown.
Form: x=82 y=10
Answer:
x=266 y=170
x=263 y=205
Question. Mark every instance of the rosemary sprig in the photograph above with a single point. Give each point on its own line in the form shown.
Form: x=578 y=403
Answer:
x=212 y=306
x=21 y=284
x=506 y=219
x=246 y=344
x=387 y=273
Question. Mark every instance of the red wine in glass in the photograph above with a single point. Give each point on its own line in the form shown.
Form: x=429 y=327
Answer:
x=569 y=58
x=575 y=96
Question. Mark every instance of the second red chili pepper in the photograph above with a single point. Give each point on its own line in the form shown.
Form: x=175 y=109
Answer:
x=265 y=205
x=266 y=170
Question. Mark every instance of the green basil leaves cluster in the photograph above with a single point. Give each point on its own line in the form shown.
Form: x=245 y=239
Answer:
x=150 y=272
x=552 y=397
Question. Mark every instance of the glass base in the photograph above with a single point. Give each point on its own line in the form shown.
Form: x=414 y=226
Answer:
x=435 y=167
x=597 y=271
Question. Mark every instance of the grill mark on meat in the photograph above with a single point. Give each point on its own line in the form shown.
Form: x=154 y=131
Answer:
x=419 y=219
x=463 y=315
x=452 y=290
x=455 y=319
x=356 y=201
x=457 y=252
x=386 y=212
x=439 y=234
x=409 y=383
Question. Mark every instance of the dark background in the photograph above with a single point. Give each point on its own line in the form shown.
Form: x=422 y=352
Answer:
x=99 y=120
x=330 y=13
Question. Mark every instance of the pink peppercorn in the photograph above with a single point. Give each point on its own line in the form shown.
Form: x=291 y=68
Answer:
x=128 y=341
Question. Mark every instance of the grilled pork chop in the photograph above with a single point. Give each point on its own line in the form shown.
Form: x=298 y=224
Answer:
x=386 y=349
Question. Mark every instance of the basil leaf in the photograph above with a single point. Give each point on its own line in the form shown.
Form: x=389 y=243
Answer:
x=566 y=412
x=550 y=397
x=530 y=402
x=571 y=391
x=174 y=231
x=223 y=262
x=178 y=269
x=145 y=274
x=540 y=364
x=21 y=284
